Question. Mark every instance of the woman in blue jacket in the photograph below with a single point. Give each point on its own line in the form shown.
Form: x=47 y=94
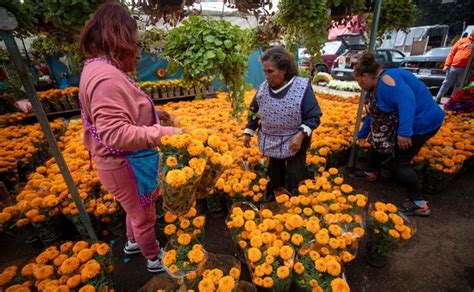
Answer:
x=401 y=116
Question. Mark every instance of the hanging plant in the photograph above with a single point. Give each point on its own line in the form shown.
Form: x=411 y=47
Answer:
x=305 y=22
x=170 y=11
x=394 y=15
x=202 y=47
x=153 y=40
x=248 y=6
x=264 y=34
x=23 y=13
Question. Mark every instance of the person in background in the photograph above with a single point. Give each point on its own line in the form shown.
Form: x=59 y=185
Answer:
x=120 y=120
x=455 y=65
x=401 y=117
x=285 y=112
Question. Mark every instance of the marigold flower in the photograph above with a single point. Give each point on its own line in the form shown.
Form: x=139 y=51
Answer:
x=283 y=272
x=391 y=208
x=73 y=281
x=184 y=239
x=299 y=268
x=297 y=239
x=80 y=245
x=333 y=267
x=381 y=216
x=286 y=252
x=87 y=288
x=199 y=221
x=234 y=273
x=206 y=285
x=42 y=272
x=393 y=233
x=85 y=255
x=339 y=285
x=226 y=283
x=254 y=254
x=90 y=270
x=171 y=161
x=69 y=266
x=345 y=188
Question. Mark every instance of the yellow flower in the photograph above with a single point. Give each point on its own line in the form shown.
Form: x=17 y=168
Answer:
x=184 y=224
x=87 y=288
x=42 y=272
x=333 y=267
x=393 y=233
x=345 y=188
x=338 y=180
x=283 y=272
x=299 y=268
x=80 y=245
x=171 y=161
x=173 y=269
x=67 y=246
x=90 y=270
x=322 y=237
x=85 y=255
x=339 y=285
x=267 y=282
x=397 y=220
x=335 y=230
x=379 y=206
x=302 y=189
x=206 y=285
x=254 y=254
x=381 y=216
x=60 y=259
x=226 y=283
x=249 y=215
x=320 y=265
x=391 y=208
x=69 y=266
x=234 y=273
x=195 y=148
x=170 y=229
x=314 y=255
x=184 y=239
x=170 y=218
x=199 y=221
x=256 y=241
x=297 y=239
x=74 y=281
x=359 y=231
x=102 y=249
x=286 y=252
x=266 y=213
x=250 y=226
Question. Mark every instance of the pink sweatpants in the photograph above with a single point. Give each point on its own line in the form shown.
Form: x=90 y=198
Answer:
x=140 y=220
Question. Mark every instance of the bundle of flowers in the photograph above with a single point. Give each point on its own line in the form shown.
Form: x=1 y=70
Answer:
x=56 y=100
x=189 y=223
x=22 y=148
x=340 y=98
x=344 y=85
x=182 y=164
x=242 y=185
x=462 y=100
x=387 y=230
x=46 y=195
x=11 y=119
x=170 y=88
x=76 y=266
x=219 y=158
x=217 y=280
x=445 y=154
x=317 y=271
x=326 y=211
x=184 y=259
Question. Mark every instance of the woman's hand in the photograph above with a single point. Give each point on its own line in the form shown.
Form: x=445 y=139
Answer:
x=296 y=142
x=360 y=142
x=178 y=131
x=247 y=140
x=164 y=116
x=404 y=142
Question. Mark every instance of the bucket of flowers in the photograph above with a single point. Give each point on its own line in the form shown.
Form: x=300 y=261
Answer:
x=387 y=230
x=182 y=164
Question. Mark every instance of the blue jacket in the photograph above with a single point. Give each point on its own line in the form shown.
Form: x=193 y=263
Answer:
x=418 y=112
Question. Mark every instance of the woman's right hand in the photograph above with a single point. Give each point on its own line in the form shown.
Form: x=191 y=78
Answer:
x=360 y=142
x=247 y=140
x=178 y=131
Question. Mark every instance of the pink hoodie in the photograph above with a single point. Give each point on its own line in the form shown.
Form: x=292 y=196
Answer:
x=122 y=114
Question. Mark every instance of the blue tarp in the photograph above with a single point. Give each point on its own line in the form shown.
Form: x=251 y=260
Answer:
x=148 y=65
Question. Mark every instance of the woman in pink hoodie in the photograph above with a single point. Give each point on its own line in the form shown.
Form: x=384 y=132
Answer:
x=119 y=119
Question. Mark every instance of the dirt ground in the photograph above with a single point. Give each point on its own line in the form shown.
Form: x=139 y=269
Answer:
x=440 y=257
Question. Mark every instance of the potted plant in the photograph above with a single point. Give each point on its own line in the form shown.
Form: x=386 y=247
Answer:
x=387 y=230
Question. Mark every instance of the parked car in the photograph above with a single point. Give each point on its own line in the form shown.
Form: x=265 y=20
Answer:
x=344 y=65
x=428 y=67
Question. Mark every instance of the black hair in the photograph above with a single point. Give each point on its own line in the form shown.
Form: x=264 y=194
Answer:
x=282 y=59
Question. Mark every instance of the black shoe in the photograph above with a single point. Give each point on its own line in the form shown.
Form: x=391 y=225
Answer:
x=411 y=209
x=363 y=175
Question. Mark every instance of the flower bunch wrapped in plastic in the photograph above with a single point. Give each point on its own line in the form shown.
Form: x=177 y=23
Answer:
x=184 y=259
x=242 y=185
x=71 y=266
x=315 y=271
x=218 y=280
x=182 y=164
x=188 y=223
x=218 y=156
x=387 y=229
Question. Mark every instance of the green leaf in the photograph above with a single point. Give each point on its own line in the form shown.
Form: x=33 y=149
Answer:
x=228 y=44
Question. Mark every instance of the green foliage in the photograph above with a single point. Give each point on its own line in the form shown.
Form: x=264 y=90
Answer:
x=44 y=46
x=24 y=16
x=203 y=47
x=68 y=16
x=4 y=57
x=304 y=22
x=153 y=39
x=394 y=15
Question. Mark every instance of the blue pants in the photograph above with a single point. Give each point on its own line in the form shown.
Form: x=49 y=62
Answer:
x=453 y=77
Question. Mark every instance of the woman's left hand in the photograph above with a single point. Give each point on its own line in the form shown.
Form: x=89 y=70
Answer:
x=404 y=142
x=296 y=142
